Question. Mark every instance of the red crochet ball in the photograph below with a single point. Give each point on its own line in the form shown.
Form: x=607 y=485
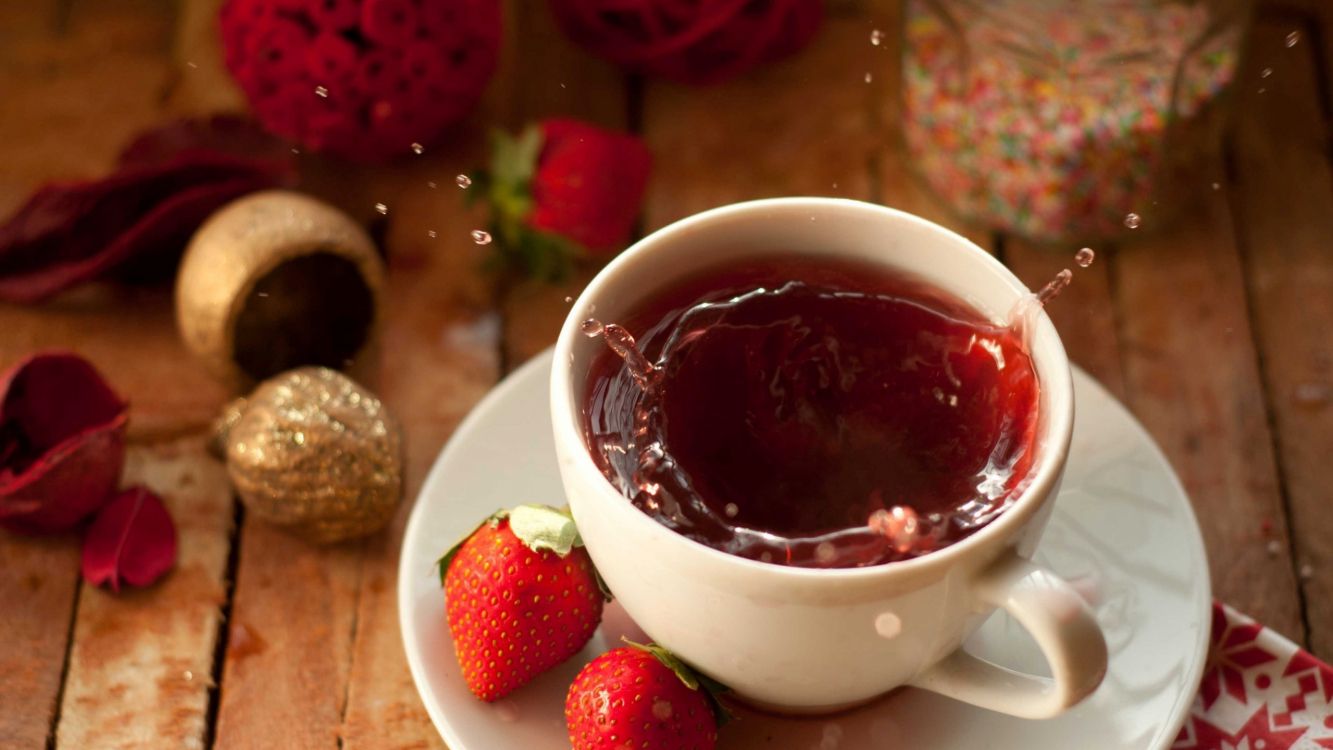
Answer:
x=364 y=79
x=691 y=41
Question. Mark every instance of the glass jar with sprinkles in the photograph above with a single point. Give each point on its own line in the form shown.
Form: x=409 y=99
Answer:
x=1062 y=119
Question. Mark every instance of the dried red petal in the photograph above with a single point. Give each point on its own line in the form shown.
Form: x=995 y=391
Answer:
x=170 y=179
x=589 y=184
x=62 y=442
x=220 y=134
x=132 y=540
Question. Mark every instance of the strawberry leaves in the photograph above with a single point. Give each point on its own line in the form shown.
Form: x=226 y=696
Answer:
x=539 y=527
x=691 y=679
x=561 y=191
x=132 y=540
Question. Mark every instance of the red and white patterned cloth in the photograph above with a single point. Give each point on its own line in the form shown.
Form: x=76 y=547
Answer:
x=1260 y=691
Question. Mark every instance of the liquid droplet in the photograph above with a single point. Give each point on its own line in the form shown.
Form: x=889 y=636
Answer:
x=1293 y=38
x=731 y=510
x=1217 y=186
x=869 y=78
x=899 y=524
x=1085 y=257
x=1266 y=72
x=431 y=233
x=431 y=184
x=320 y=91
x=592 y=328
x=418 y=149
x=188 y=675
x=568 y=299
x=1274 y=548
x=463 y=181
x=1132 y=221
x=1311 y=395
x=825 y=553
x=1055 y=286
x=381 y=208
x=876 y=37
x=1306 y=572
x=481 y=236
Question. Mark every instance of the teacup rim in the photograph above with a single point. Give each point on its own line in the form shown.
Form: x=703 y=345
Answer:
x=1058 y=428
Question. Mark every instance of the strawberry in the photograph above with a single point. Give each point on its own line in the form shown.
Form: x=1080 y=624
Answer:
x=521 y=596
x=641 y=697
x=564 y=189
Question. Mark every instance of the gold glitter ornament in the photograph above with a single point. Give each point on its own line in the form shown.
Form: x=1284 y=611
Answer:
x=312 y=451
x=277 y=280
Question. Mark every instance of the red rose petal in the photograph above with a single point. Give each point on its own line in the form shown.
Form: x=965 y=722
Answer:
x=62 y=442
x=66 y=234
x=72 y=232
x=219 y=134
x=132 y=540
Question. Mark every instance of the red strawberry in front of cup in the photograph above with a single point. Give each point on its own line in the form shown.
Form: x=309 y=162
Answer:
x=521 y=596
x=561 y=190
x=641 y=697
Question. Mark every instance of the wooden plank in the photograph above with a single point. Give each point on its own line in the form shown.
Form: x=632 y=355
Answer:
x=139 y=669
x=802 y=126
x=84 y=80
x=1192 y=377
x=1283 y=199
x=555 y=78
x=39 y=578
x=1084 y=313
x=434 y=386
x=82 y=95
x=441 y=349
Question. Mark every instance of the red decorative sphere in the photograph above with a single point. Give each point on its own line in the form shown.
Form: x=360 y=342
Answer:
x=691 y=41
x=364 y=79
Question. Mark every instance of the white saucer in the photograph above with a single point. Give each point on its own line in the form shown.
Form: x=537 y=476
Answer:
x=1122 y=529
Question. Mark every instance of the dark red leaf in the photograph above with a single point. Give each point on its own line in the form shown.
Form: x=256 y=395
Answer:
x=169 y=180
x=132 y=540
x=219 y=134
x=62 y=442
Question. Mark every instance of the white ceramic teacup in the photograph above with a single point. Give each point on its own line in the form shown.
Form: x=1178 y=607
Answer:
x=810 y=640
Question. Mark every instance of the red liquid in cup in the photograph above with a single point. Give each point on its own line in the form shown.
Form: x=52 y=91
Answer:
x=813 y=413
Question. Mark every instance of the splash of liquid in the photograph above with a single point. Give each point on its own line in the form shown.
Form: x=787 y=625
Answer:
x=1023 y=316
x=639 y=461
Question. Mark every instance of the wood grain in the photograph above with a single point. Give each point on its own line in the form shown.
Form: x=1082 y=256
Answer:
x=802 y=126
x=1283 y=198
x=554 y=78
x=1192 y=376
x=440 y=356
x=39 y=580
x=84 y=79
x=140 y=667
x=1084 y=313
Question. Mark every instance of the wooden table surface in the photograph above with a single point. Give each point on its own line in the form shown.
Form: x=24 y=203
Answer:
x=1214 y=332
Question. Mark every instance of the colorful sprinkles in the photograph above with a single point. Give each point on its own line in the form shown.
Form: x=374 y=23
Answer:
x=1051 y=122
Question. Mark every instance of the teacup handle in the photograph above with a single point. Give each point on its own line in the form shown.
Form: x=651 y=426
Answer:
x=1059 y=621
